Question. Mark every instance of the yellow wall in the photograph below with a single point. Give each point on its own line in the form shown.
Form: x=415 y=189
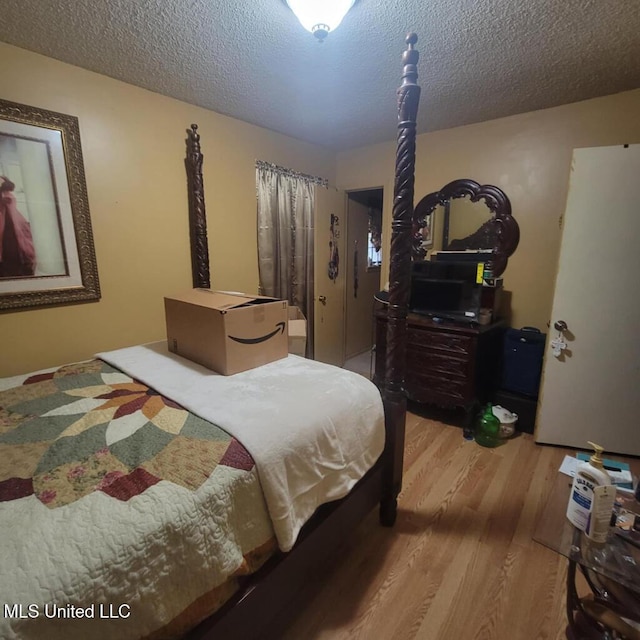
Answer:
x=133 y=142
x=133 y=147
x=528 y=157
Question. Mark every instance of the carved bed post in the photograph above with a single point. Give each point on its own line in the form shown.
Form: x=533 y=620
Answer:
x=197 y=214
x=393 y=396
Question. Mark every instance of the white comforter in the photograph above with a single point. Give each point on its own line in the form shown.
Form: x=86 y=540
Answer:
x=313 y=429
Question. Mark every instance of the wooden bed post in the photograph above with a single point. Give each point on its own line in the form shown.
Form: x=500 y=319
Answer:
x=197 y=214
x=393 y=395
x=269 y=591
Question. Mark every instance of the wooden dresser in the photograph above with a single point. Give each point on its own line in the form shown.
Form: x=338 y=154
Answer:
x=448 y=365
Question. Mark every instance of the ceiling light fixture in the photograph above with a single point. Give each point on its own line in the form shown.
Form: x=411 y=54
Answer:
x=320 y=16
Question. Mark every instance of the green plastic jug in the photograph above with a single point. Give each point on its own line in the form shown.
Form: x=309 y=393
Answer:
x=488 y=429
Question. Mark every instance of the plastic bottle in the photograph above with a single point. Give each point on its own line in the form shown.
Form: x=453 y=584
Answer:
x=604 y=498
x=592 y=497
x=488 y=429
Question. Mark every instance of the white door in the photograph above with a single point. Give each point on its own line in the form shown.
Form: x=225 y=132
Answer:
x=592 y=391
x=329 y=291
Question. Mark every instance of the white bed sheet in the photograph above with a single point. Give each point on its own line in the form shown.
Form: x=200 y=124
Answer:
x=313 y=429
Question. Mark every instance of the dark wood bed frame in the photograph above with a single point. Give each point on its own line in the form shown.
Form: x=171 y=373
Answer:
x=265 y=593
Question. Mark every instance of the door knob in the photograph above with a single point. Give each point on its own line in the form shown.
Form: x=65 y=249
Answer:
x=560 y=325
x=322 y=299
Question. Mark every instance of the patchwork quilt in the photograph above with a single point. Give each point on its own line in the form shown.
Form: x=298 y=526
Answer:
x=115 y=504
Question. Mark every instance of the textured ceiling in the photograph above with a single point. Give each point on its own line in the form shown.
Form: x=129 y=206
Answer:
x=251 y=59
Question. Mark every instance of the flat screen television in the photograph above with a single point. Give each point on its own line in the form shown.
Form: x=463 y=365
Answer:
x=446 y=290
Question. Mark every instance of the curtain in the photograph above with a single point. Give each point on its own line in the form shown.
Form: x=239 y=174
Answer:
x=286 y=201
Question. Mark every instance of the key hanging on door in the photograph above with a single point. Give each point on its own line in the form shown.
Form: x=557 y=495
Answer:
x=559 y=344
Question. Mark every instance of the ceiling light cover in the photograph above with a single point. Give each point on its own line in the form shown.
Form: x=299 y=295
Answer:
x=320 y=16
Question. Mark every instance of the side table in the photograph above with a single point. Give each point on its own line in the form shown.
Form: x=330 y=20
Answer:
x=611 y=570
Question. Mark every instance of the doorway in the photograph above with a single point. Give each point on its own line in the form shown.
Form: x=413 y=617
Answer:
x=363 y=264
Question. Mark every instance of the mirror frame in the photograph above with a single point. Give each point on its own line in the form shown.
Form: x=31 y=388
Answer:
x=502 y=226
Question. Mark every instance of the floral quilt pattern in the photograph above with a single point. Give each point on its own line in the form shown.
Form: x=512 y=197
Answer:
x=88 y=427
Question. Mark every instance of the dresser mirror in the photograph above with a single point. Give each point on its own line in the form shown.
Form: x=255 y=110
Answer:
x=465 y=215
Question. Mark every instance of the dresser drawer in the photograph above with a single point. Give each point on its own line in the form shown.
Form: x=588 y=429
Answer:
x=441 y=390
x=429 y=361
x=452 y=342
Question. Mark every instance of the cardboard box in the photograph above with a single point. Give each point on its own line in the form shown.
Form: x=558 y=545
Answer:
x=297 y=332
x=226 y=332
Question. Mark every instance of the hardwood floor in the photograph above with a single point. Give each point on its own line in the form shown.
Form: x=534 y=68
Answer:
x=459 y=563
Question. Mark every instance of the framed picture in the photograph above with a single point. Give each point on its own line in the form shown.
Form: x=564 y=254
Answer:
x=47 y=255
x=427 y=231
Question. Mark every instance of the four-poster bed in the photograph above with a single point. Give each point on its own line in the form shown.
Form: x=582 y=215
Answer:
x=271 y=587
x=41 y=491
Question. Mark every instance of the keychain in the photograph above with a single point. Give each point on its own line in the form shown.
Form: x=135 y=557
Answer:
x=558 y=344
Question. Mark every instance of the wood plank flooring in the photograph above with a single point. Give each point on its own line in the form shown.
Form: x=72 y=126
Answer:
x=459 y=563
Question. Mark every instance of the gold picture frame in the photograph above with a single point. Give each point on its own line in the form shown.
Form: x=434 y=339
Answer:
x=47 y=255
